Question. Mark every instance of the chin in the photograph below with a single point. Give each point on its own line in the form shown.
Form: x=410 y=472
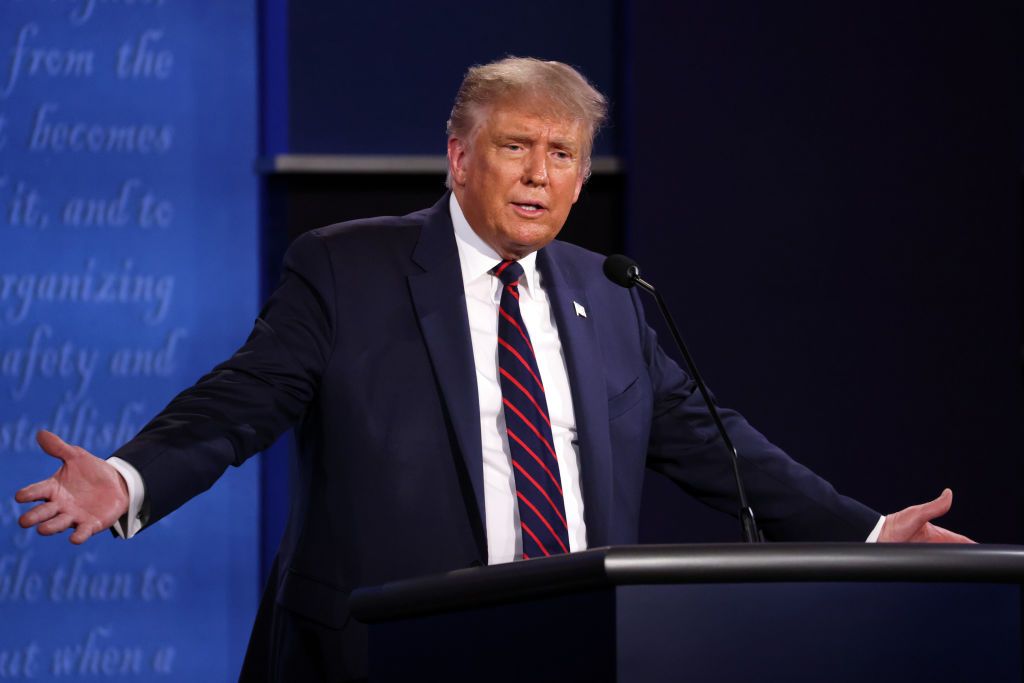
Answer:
x=532 y=233
x=525 y=244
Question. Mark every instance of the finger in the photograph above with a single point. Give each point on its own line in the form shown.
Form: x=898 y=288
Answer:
x=39 y=513
x=940 y=535
x=57 y=524
x=41 y=490
x=85 y=531
x=55 y=446
x=925 y=512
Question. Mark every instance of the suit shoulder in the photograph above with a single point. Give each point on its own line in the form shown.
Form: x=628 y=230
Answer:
x=364 y=242
x=370 y=230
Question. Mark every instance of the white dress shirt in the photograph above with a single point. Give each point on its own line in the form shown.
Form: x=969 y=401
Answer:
x=483 y=292
x=501 y=510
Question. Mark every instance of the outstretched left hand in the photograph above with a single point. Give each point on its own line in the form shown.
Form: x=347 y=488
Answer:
x=913 y=524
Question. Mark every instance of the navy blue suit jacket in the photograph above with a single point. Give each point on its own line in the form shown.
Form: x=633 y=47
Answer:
x=365 y=348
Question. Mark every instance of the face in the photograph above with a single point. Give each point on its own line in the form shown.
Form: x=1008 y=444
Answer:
x=517 y=177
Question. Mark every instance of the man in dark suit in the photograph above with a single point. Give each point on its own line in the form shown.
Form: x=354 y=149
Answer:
x=465 y=389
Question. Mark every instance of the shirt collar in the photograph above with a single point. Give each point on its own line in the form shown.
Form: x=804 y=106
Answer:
x=477 y=258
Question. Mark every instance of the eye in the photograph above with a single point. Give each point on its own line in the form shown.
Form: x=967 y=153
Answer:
x=513 y=147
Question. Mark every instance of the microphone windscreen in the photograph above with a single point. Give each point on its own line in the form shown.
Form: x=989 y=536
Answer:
x=621 y=270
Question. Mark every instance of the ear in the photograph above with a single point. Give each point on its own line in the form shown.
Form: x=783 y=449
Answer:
x=457 y=160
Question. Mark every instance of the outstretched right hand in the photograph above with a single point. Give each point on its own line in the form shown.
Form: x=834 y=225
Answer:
x=86 y=493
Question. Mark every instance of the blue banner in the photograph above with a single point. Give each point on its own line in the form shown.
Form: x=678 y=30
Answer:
x=128 y=268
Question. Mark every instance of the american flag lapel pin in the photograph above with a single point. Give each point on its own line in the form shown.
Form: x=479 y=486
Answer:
x=580 y=311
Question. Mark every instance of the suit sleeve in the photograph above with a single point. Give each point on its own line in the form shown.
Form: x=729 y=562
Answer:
x=790 y=502
x=246 y=402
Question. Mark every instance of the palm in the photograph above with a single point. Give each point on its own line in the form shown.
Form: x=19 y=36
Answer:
x=85 y=493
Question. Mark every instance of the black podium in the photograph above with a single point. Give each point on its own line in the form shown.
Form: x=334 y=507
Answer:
x=772 y=612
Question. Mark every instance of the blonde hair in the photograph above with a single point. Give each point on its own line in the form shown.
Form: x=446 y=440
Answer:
x=558 y=86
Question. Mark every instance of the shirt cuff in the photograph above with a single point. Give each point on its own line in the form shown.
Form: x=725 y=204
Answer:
x=131 y=523
x=873 y=537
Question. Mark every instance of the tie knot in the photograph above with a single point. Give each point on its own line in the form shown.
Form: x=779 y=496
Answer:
x=508 y=272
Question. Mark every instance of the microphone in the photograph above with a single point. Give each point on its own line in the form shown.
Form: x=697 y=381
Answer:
x=625 y=272
x=621 y=270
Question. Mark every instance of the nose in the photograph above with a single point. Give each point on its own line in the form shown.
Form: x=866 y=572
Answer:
x=535 y=167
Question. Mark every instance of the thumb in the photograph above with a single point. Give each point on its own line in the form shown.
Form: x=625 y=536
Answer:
x=55 y=446
x=925 y=512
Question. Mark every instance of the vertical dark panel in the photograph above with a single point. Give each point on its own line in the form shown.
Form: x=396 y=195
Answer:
x=274 y=66
x=830 y=197
x=379 y=78
x=273 y=59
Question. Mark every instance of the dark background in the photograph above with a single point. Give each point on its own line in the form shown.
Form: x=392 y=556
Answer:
x=828 y=195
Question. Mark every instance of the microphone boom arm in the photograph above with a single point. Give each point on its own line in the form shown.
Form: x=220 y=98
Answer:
x=751 y=534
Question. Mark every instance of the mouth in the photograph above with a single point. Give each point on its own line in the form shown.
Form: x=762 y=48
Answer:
x=528 y=210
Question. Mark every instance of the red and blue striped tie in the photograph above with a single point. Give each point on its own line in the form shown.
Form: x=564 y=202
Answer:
x=538 y=485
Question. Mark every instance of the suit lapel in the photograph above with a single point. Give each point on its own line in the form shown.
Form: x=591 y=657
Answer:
x=589 y=396
x=440 y=302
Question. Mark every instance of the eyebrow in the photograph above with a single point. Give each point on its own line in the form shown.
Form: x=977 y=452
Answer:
x=558 y=142
x=565 y=143
x=516 y=137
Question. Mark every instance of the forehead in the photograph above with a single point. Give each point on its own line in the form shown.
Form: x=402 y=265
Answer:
x=526 y=117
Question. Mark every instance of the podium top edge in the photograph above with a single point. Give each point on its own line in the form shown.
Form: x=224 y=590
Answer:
x=665 y=564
